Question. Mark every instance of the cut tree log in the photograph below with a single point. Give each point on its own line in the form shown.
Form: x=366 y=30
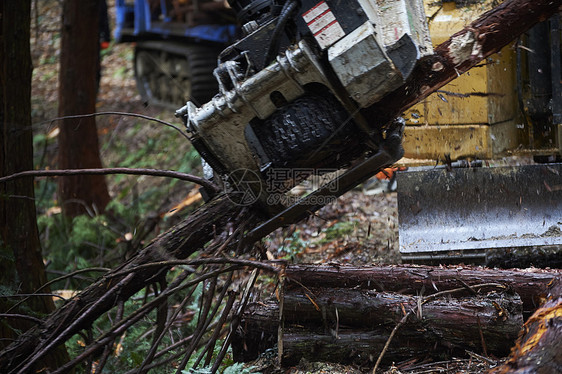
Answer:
x=362 y=305
x=257 y=331
x=532 y=285
x=352 y=325
x=539 y=347
x=485 y=36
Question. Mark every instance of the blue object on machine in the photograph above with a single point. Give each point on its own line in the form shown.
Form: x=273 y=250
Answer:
x=136 y=21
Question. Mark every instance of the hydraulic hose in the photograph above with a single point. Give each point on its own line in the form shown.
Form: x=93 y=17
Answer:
x=286 y=13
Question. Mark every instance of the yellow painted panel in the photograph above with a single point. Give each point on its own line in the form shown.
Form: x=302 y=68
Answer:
x=444 y=108
x=473 y=116
x=460 y=141
x=433 y=142
x=485 y=94
x=502 y=87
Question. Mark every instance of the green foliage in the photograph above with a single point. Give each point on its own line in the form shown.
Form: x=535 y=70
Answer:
x=238 y=368
x=339 y=230
x=48 y=76
x=99 y=241
x=229 y=367
x=196 y=297
x=108 y=50
x=134 y=347
x=44 y=187
x=49 y=60
x=87 y=241
x=121 y=72
x=6 y=290
x=76 y=244
x=127 y=54
x=6 y=253
x=155 y=148
x=293 y=245
x=90 y=241
x=90 y=229
x=130 y=349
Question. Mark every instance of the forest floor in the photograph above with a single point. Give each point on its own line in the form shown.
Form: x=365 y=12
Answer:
x=359 y=228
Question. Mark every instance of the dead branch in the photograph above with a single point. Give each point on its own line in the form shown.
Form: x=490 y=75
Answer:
x=264 y=265
x=80 y=312
x=107 y=171
x=417 y=310
x=126 y=114
x=20 y=316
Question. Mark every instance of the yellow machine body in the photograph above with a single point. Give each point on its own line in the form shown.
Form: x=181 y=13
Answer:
x=497 y=215
x=477 y=115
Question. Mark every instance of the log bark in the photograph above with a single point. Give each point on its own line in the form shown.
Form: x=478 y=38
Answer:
x=257 y=331
x=539 y=346
x=365 y=303
x=78 y=139
x=21 y=266
x=532 y=285
x=353 y=325
x=488 y=323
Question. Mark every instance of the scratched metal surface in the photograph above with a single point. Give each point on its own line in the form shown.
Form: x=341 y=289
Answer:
x=469 y=211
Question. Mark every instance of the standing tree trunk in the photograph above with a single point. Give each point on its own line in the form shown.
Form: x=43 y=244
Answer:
x=21 y=264
x=78 y=138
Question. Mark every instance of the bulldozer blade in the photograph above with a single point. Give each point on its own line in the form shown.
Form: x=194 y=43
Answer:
x=468 y=214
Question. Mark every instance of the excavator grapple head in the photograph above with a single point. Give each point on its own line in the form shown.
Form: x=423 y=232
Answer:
x=291 y=91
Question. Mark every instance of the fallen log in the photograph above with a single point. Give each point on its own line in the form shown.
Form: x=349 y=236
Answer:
x=485 y=36
x=488 y=323
x=352 y=325
x=369 y=301
x=257 y=331
x=359 y=347
x=539 y=346
x=532 y=285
